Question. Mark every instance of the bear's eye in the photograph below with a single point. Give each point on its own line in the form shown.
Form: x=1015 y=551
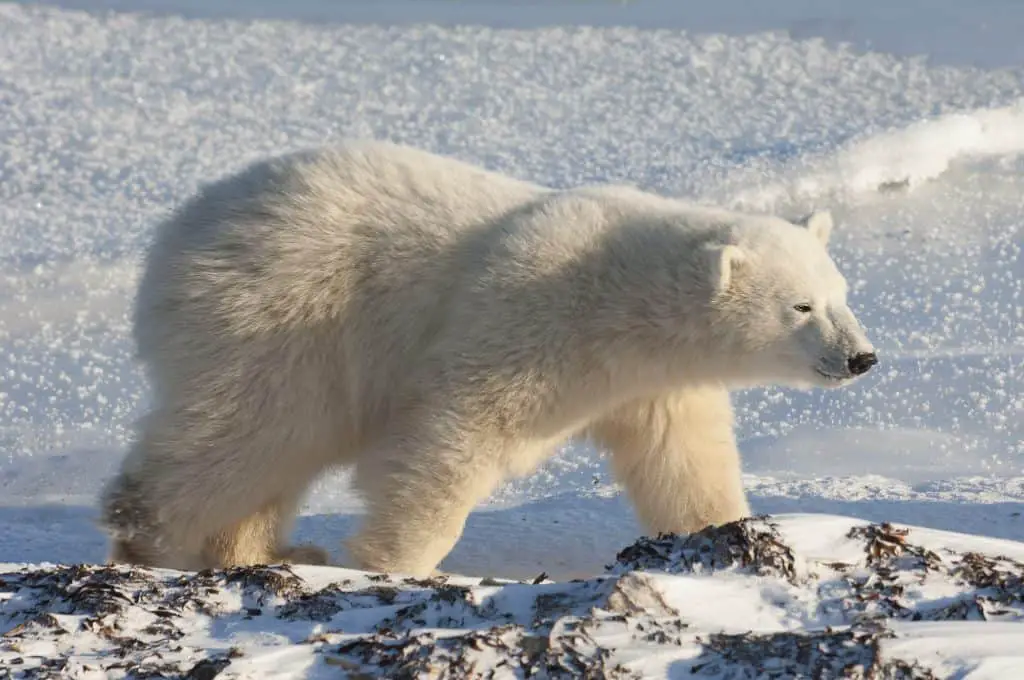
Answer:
x=803 y=308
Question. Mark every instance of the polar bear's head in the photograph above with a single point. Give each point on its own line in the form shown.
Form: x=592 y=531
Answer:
x=780 y=306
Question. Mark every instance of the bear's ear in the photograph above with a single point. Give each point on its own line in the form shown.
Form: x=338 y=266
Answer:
x=820 y=225
x=722 y=263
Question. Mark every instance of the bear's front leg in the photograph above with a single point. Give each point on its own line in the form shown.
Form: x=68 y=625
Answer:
x=418 y=497
x=677 y=457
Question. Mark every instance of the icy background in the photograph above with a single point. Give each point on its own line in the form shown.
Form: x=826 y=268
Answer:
x=109 y=118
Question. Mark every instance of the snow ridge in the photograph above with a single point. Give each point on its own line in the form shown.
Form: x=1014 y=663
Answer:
x=892 y=161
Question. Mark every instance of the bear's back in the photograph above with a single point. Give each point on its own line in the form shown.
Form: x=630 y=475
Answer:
x=364 y=241
x=297 y=235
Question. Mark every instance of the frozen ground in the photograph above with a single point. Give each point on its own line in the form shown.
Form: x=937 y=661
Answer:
x=107 y=119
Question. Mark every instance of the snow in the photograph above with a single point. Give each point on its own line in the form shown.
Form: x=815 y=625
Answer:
x=907 y=121
x=805 y=594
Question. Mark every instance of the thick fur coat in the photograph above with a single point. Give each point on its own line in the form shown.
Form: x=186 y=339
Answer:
x=440 y=328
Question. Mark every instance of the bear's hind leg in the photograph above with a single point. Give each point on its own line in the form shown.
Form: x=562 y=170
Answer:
x=261 y=538
x=195 y=494
x=133 y=521
x=417 y=507
x=677 y=457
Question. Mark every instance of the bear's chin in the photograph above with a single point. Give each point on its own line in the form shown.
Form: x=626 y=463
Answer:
x=812 y=380
x=828 y=381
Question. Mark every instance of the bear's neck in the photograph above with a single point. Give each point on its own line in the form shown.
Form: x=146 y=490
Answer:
x=640 y=315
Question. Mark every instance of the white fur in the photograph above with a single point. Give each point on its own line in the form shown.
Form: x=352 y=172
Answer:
x=442 y=328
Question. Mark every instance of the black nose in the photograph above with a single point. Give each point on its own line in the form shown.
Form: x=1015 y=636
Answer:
x=862 y=363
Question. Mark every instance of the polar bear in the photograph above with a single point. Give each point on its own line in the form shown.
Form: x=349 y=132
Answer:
x=441 y=328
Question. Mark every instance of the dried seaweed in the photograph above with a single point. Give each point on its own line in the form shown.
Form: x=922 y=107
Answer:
x=849 y=653
x=751 y=545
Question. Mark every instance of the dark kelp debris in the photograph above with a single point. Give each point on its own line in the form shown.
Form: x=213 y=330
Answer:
x=97 y=599
x=141 y=623
x=999 y=580
x=849 y=653
x=751 y=544
x=459 y=656
x=323 y=604
x=887 y=548
x=74 y=589
x=896 y=567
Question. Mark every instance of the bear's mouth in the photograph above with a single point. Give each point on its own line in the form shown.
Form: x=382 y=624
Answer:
x=831 y=376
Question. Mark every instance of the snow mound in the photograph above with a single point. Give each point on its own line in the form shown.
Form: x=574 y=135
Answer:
x=790 y=596
x=891 y=161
